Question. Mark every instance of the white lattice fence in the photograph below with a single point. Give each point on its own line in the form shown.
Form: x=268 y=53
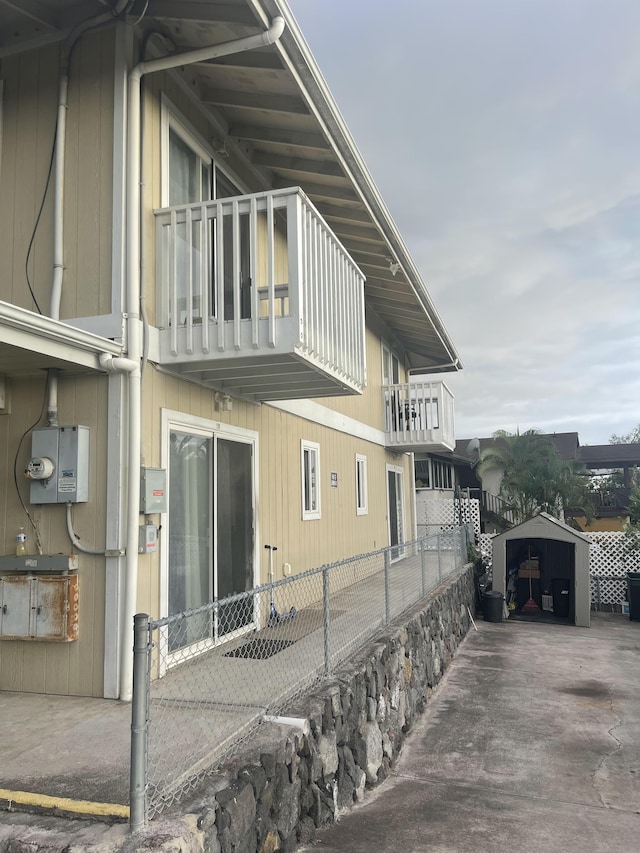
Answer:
x=485 y=546
x=609 y=561
x=434 y=513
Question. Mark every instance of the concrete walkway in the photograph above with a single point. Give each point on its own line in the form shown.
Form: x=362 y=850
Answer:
x=532 y=744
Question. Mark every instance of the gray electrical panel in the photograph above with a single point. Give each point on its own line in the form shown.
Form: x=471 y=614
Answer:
x=59 y=467
x=153 y=490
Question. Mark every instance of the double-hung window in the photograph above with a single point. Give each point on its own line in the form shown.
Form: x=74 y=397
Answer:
x=310 y=457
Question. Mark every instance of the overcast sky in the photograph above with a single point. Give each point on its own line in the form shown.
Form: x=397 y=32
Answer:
x=504 y=136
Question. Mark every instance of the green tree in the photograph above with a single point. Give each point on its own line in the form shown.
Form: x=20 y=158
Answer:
x=535 y=477
x=632 y=437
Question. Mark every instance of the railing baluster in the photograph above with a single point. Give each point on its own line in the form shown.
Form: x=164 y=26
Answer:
x=189 y=297
x=236 y=273
x=271 y=272
x=173 y=301
x=205 y=276
x=255 y=296
x=220 y=273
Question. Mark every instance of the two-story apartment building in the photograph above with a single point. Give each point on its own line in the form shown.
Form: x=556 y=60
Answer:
x=208 y=326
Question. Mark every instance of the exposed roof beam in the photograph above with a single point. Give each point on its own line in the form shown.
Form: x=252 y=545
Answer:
x=254 y=101
x=341 y=213
x=382 y=293
x=293 y=138
x=315 y=191
x=33 y=10
x=298 y=164
x=370 y=250
x=370 y=234
x=202 y=12
x=247 y=59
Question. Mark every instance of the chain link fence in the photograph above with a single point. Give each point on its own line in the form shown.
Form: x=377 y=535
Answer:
x=206 y=678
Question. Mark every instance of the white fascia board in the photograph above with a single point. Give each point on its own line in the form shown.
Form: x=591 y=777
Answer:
x=33 y=332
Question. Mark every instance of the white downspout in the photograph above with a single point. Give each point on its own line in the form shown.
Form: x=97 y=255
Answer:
x=133 y=288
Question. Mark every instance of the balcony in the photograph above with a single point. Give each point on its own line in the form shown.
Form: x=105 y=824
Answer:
x=418 y=417
x=258 y=298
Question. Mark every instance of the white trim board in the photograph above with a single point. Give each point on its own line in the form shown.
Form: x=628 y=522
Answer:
x=319 y=414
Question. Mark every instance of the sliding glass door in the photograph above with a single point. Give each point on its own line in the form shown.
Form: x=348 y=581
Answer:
x=211 y=532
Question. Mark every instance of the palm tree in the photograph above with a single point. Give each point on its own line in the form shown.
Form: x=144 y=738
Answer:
x=535 y=477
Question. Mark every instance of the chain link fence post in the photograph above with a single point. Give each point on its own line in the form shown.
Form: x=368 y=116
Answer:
x=439 y=538
x=326 y=620
x=139 y=723
x=423 y=565
x=387 y=593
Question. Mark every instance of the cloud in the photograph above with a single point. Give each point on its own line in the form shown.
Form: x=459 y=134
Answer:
x=504 y=139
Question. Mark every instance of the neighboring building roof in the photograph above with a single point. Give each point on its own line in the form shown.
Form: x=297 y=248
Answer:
x=609 y=455
x=528 y=528
x=566 y=443
x=568 y=446
x=273 y=109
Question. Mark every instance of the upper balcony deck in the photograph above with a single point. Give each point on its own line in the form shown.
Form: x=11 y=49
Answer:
x=257 y=297
x=419 y=416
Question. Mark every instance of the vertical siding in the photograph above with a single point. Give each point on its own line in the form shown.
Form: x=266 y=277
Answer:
x=88 y=195
x=339 y=533
x=67 y=668
x=29 y=120
x=29 y=110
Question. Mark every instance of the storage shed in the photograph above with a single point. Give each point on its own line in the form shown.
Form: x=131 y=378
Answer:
x=542 y=565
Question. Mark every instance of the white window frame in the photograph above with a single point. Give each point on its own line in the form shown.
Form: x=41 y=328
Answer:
x=172 y=420
x=362 y=485
x=440 y=471
x=172 y=118
x=389 y=361
x=310 y=512
x=398 y=550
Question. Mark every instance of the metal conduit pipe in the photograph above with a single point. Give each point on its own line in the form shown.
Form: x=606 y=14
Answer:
x=58 y=182
x=133 y=294
x=76 y=541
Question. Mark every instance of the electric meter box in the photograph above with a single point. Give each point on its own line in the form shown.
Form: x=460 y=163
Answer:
x=153 y=490
x=67 y=447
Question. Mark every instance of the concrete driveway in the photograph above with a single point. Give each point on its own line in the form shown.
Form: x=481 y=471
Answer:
x=531 y=743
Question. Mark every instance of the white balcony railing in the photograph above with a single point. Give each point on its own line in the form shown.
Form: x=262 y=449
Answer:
x=258 y=295
x=419 y=416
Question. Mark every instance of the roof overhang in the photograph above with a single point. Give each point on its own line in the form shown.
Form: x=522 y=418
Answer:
x=273 y=109
x=30 y=343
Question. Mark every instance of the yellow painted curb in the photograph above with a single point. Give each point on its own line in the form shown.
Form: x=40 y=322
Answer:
x=42 y=801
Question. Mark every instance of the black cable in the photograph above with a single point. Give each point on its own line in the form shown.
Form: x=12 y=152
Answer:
x=35 y=227
x=15 y=461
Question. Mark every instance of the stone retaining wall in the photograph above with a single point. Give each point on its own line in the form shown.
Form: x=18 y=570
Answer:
x=293 y=779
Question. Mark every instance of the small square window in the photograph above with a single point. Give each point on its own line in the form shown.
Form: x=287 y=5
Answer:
x=362 y=499
x=310 y=453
